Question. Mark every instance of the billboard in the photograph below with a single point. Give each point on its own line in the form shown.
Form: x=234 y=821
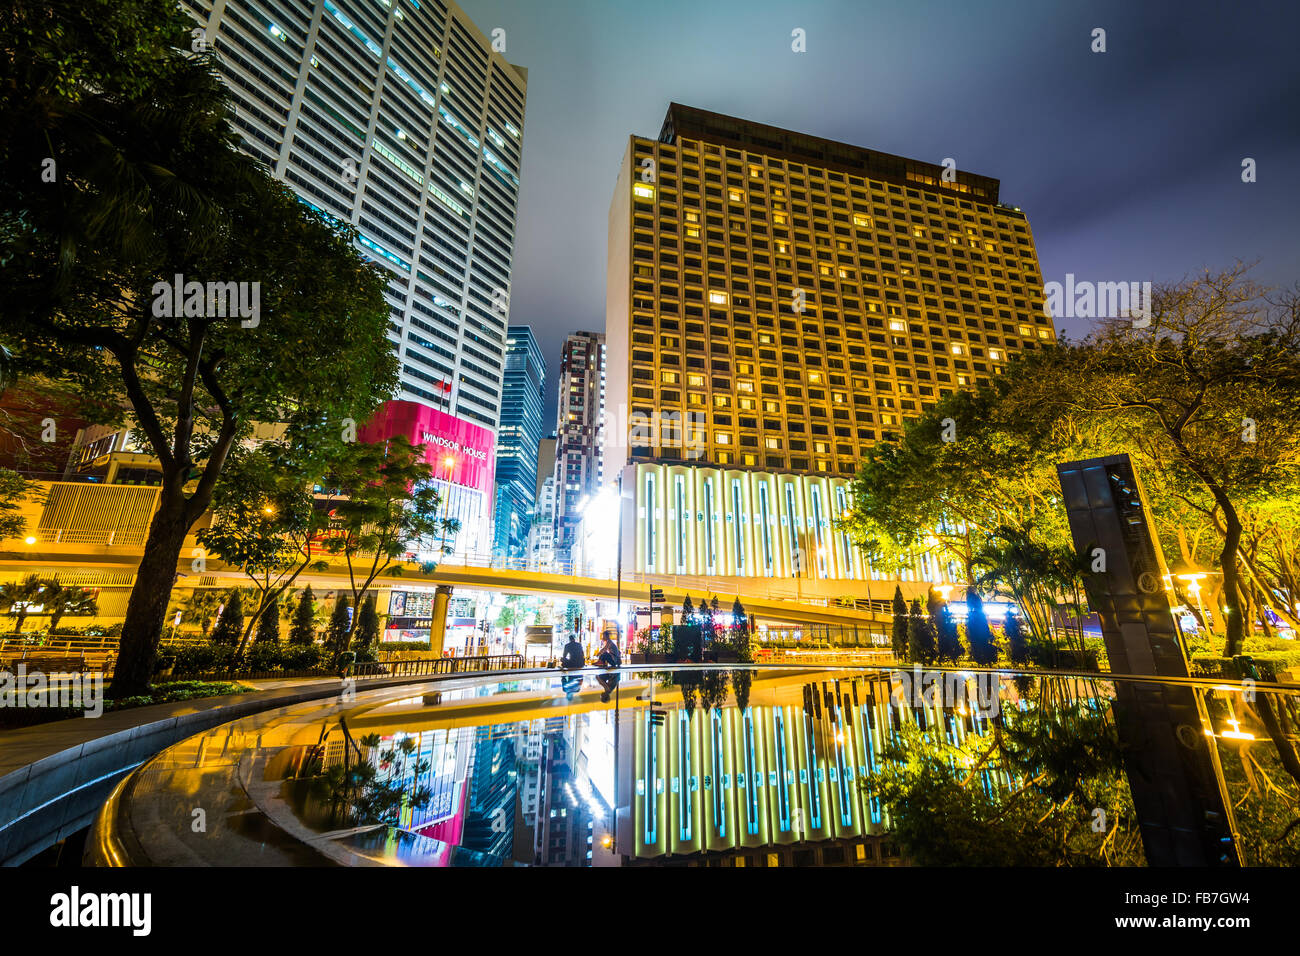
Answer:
x=460 y=451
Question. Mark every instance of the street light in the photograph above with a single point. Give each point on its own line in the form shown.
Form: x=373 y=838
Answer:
x=1193 y=575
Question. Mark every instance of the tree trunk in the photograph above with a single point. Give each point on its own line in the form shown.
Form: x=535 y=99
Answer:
x=1234 y=623
x=146 y=611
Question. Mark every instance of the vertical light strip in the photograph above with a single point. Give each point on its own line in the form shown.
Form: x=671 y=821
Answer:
x=739 y=540
x=766 y=528
x=708 y=525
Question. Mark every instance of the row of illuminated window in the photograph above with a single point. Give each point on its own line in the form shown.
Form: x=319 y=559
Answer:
x=752 y=166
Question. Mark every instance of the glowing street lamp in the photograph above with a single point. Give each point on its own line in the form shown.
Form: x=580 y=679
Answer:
x=1193 y=575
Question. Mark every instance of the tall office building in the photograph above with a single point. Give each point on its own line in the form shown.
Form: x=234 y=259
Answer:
x=522 y=406
x=776 y=303
x=580 y=434
x=395 y=117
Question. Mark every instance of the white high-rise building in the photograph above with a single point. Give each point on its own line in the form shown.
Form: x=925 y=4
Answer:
x=398 y=118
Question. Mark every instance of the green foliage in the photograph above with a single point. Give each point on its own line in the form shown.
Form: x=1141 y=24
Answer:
x=1063 y=761
x=268 y=627
x=300 y=657
x=572 y=615
x=172 y=691
x=375 y=789
x=339 y=629
x=922 y=642
x=949 y=646
x=14 y=490
x=303 y=631
x=201 y=608
x=18 y=597
x=150 y=183
x=898 y=631
x=387 y=501
x=367 y=631
x=203 y=658
x=230 y=625
x=1017 y=641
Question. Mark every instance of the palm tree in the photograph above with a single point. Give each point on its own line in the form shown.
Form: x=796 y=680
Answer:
x=1036 y=575
x=60 y=600
x=201 y=608
x=17 y=597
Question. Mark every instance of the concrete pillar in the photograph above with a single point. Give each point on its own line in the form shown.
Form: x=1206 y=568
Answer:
x=438 y=625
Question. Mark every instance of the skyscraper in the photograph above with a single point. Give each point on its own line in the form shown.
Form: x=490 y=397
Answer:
x=398 y=118
x=579 y=466
x=776 y=303
x=522 y=405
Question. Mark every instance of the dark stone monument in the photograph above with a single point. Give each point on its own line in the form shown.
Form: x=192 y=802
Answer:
x=1172 y=766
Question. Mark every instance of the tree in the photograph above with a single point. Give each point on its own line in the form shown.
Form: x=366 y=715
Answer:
x=303 y=631
x=367 y=631
x=1017 y=640
x=201 y=608
x=948 y=641
x=1039 y=578
x=898 y=635
x=922 y=643
x=978 y=634
x=151 y=184
x=17 y=598
x=1206 y=392
x=265 y=520
x=14 y=490
x=572 y=615
x=268 y=625
x=230 y=625
x=388 y=508
x=60 y=600
x=339 y=630
x=963 y=465
x=688 y=610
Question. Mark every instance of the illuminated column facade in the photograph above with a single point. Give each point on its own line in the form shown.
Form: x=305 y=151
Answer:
x=722 y=522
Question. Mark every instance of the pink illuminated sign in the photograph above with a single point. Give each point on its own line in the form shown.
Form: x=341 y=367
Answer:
x=460 y=451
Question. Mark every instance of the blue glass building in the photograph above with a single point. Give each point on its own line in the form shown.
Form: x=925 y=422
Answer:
x=522 y=403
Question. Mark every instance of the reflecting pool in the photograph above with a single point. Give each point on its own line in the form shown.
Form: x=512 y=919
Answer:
x=733 y=766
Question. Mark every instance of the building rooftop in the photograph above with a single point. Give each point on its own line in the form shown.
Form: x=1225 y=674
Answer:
x=813 y=150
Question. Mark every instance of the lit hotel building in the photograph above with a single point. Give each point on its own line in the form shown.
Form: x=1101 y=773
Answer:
x=777 y=303
x=397 y=118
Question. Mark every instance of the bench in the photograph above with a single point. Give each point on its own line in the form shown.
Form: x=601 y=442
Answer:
x=48 y=664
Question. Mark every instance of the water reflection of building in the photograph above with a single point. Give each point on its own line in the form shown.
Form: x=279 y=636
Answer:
x=576 y=786
x=492 y=788
x=770 y=785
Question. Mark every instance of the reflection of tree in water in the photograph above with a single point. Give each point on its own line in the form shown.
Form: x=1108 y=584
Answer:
x=364 y=791
x=1045 y=787
x=713 y=688
x=708 y=688
x=1262 y=773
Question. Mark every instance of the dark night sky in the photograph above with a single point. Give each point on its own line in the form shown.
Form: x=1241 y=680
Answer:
x=1127 y=163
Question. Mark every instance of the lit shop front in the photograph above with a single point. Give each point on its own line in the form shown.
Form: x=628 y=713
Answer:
x=462 y=454
x=410 y=618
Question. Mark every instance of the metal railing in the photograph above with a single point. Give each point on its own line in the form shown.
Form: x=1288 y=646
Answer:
x=438 y=665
